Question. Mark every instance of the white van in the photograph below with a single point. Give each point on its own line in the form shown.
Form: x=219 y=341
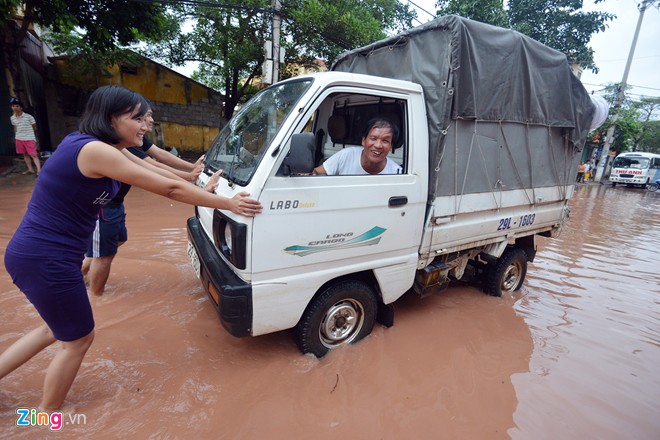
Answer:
x=635 y=169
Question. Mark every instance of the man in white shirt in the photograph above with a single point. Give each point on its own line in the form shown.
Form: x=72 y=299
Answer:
x=377 y=142
x=25 y=129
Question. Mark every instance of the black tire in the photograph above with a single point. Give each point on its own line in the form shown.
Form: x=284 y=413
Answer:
x=508 y=274
x=613 y=184
x=653 y=187
x=342 y=314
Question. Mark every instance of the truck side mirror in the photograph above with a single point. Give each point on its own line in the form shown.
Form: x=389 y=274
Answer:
x=300 y=158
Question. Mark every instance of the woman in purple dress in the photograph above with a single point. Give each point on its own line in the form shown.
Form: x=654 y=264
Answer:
x=45 y=254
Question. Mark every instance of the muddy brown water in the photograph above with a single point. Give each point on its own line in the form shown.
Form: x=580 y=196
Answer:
x=573 y=355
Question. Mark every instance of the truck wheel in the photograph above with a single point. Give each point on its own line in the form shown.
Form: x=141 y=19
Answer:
x=613 y=184
x=344 y=313
x=508 y=273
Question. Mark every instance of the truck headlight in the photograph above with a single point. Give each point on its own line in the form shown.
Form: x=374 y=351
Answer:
x=230 y=239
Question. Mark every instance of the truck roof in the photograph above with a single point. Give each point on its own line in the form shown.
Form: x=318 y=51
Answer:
x=501 y=107
x=362 y=80
x=494 y=74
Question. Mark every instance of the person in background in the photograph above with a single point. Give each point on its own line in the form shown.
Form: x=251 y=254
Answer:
x=580 y=172
x=110 y=231
x=44 y=255
x=178 y=166
x=587 y=171
x=377 y=140
x=25 y=129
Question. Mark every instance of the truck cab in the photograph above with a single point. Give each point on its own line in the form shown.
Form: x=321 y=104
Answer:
x=315 y=232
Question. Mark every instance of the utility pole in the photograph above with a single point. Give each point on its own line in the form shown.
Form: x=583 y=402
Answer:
x=609 y=138
x=277 y=24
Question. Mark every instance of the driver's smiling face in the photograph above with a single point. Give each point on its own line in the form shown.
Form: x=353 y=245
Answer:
x=377 y=145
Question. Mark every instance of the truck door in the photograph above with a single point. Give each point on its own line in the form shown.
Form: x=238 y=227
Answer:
x=321 y=227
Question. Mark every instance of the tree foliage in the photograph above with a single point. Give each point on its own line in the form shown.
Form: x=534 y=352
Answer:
x=648 y=110
x=485 y=11
x=105 y=24
x=87 y=65
x=636 y=125
x=649 y=139
x=559 y=24
x=100 y=26
x=325 y=29
x=228 y=40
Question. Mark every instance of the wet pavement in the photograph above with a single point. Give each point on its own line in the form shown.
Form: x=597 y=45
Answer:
x=573 y=355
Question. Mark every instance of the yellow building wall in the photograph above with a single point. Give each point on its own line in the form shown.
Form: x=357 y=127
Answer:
x=189 y=113
x=195 y=138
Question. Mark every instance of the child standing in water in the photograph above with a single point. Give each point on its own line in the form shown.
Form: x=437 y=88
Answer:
x=25 y=131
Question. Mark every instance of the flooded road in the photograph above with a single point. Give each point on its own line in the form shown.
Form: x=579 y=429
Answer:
x=573 y=355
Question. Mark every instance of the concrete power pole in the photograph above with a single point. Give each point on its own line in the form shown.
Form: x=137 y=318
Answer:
x=277 y=24
x=609 y=138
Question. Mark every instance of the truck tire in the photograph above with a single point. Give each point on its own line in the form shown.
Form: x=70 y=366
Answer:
x=342 y=314
x=508 y=273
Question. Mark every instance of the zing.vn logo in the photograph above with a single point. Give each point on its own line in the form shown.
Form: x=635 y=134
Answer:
x=54 y=420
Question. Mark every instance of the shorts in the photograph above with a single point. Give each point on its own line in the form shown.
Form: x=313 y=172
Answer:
x=57 y=290
x=26 y=147
x=109 y=233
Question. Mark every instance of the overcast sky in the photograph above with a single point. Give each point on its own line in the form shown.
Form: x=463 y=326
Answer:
x=612 y=46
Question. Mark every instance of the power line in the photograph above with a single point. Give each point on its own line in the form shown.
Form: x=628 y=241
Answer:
x=631 y=85
x=421 y=9
x=623 y=59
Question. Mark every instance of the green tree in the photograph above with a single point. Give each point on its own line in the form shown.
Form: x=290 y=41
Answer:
x=86 y=64
x=559 y=24
x=325 y=29
x=627 y=125
x=102 y=25
x=649 y=140
x=485 y=11
x=227 y=40
x=648 y=110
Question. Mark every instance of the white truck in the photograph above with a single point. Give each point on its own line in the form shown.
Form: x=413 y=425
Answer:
x=492 y=124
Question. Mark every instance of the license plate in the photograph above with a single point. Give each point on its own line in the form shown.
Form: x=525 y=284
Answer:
x=194 y=259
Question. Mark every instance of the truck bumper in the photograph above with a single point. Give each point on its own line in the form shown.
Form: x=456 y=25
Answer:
x=628 y=180
x=230 y=295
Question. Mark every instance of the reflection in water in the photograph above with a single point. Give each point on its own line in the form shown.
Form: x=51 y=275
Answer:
x=591 y=302
x=572 y=355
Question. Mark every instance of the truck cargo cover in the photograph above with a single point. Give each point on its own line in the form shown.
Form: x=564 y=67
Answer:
x=474 y=71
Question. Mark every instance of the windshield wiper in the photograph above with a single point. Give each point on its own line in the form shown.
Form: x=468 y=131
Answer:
x=237 y=150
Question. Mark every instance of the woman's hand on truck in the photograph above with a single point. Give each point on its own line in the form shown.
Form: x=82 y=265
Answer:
x=239 y=204
x=212 y=184
x=245 y=206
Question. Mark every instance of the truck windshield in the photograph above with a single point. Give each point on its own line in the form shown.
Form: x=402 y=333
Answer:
x=641 y=163
x=240 y=145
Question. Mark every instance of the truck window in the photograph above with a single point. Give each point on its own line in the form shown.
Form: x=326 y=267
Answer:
x=341 y=120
